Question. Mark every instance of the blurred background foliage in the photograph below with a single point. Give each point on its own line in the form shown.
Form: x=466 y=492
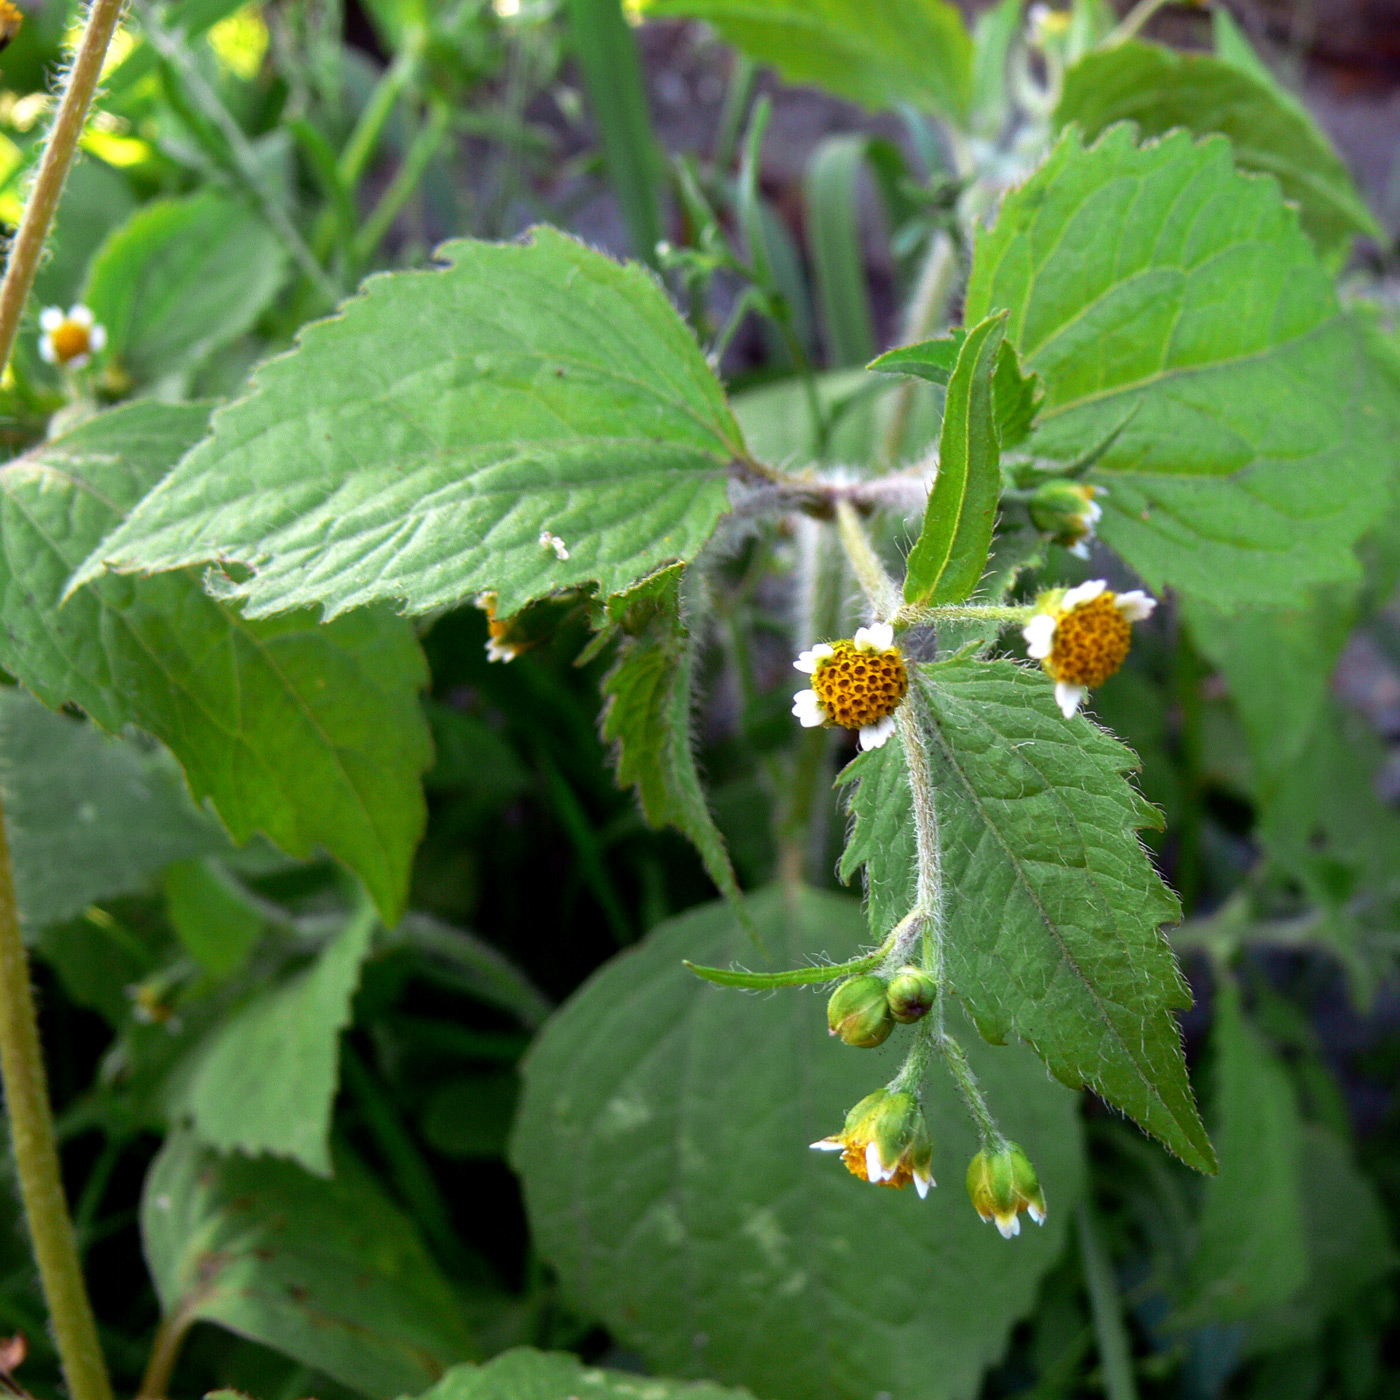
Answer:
x=248 y=164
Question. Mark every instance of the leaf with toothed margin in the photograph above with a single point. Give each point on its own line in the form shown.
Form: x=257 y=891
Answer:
x=525 y=418
x=1053 y=910
x=527 y=1374
x=308 y=732
x=662 y=1140
x=1159 y=292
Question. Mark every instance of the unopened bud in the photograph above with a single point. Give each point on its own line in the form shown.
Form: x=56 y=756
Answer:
x=1067 y=512
x=911 y=994
x=859 y=1012
x=1002 y=1184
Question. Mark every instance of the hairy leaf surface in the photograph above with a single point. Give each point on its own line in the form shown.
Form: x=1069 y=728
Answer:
x=416 y=447
x=662 y=1140
x=1053 y=909
x=900 y=51
x=267 y=1080
x=950 y=554
x=310 y=733
x=327 y=1271
x=1166 y=298
x=88 y=816
x=1160 y=90
x=526 y=1374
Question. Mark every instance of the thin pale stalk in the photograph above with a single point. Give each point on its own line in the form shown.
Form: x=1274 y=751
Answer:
x=876 y=584
x=1133 y=21
x=993 y=1140
x=913 y=615
x=165 y=1352
x=401 y=187
x=42 y=203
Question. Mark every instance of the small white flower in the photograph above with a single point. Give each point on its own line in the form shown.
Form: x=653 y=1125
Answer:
x=1009 y=1227
x=1069 y=698
x=70 y=338
x=1135 y=606
x=873 y=735
x=829 y=1144
x=808 y=709
x=549 y=540
x=1083 y=593
x=807 y=661
x=1039 y=633
x=879 y=636
x=500 y=651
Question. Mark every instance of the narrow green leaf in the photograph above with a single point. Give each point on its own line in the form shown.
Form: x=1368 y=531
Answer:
x=526 y=418
x=1160 y=293
x=88 y=816
x=1251 y=1252
x=949 y=556
x=326 y=1271
x=662 y=1141
x=791 y=977
x=899 y=51
x=607 y=59
x=266 y=1080
x=646 y=715
x=933 y=360
x=181 y=279
x=310 y=733
x=832 y=194
x=1160 y=89
x=526 y=1374
x=1053 y=909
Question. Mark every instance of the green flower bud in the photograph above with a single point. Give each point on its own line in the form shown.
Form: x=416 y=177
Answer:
x=911 y=994
x=1067 y=512
x=886 y=1142
x=1002 y=1185
x=859 y=1012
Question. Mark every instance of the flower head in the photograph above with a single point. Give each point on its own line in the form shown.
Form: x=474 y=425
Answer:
x=859 y=1012
x=1002 y=1184
x=69 y=338
x=1081 y=636
x=1068 y=513
x=886 y=1142
x=857 y=684
x=11 y=17
x=911 y=994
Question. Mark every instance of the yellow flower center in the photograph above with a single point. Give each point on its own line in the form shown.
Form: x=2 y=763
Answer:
x=1091 y=643
x=857 y=688
x=70 y=339
x=853 y=1157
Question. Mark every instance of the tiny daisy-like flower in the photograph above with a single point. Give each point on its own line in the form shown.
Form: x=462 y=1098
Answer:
x=1002 y=1185
x=885 y=1142
x=857 y=684
x=70 y=338
x=1081 y=636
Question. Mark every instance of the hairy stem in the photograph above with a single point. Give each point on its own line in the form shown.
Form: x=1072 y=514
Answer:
x=165 y=1351
x=915 y=615
x=876 y=584
x=36 y=1159
x=42 y=203
x=993 y=1140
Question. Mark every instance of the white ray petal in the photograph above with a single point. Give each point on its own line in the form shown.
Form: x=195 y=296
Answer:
x=1039 y=633
x=879 y=636
x=1136 y=605
x=1084 y=593
x=1068 y=697
x=807 y=660
x=808 y=709
x=872 y=736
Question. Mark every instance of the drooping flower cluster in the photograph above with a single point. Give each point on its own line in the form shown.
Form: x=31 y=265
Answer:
x=70 y=338
x=885 y=1141
x=857 y=684
x=1081 y=636
x=1002 y=1184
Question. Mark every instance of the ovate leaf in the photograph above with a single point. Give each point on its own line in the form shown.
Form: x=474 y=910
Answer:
x=662 y=1141
x=525 y=418
x=647 y=704
x=181 y=279
x=1183 y=324
x=526 y=1374
x=266 y=1082
x=310 y=733
x=1053 y=909
x=950 y=554
x=1251 y=1253
x=1160 y=89
x=900 y=51
x=326 y=1271
x=88 y=816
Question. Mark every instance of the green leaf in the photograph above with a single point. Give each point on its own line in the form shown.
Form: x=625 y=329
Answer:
x=831 y=193
x=882 y=56
x=1053 y=910
x=87 y=816
x=1250 y=1253
x=1160 y=89
x=326 y=1271
x=662 y=1141
x=646 y=714
x=310 y=733
x=415 y=448
x=526 y=1374
x=1164 y=296
x=215 y=921
x=949 y=556
x=266 y=1080
x=181 y=279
